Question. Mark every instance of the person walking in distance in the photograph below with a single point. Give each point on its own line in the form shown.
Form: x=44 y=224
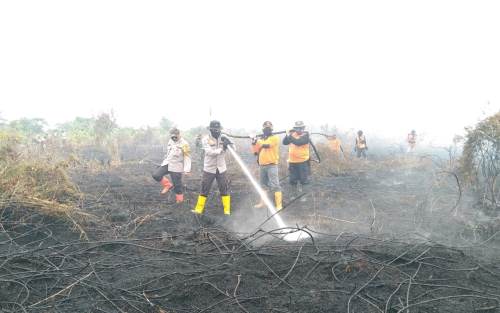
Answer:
x=412 y=141
x=335 y=146
x=360 y=145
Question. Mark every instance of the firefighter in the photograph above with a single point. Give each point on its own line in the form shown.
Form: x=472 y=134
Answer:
x=214 y=146
x=297 y=140
x=335 y=146
x=177 y=161
x=360 y=145
x=412 y=141
x=267 y=150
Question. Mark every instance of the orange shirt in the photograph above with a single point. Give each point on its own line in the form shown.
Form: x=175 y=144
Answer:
x=269 y=155
x=335 y=144
x=298 y=154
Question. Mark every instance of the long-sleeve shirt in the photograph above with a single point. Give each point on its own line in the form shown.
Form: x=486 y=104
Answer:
x=268 y=150
x=298 y=150
x=178 y=157
x=215 y=156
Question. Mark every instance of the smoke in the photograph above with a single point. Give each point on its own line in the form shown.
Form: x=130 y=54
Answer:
x=289 y=236
x=392 y=195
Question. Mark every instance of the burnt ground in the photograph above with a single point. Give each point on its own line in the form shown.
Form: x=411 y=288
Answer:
x=386 y=235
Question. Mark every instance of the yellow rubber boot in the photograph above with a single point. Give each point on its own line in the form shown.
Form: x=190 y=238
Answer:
x=278 y=200
x=226 y=203
x=200 y=205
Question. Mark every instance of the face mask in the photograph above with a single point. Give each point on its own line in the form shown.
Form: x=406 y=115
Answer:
x=267 y=131
x=215 y=132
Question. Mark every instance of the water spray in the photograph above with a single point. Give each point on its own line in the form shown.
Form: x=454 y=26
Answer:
x=289 y=236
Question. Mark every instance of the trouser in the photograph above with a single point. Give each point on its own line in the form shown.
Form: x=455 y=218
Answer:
x=208 y=178
x=361 y=153
x=175 y=176
x=299 y=172
x=269 y=177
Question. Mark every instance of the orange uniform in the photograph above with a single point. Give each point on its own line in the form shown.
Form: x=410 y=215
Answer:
x=269 y=155
x=298 y=150
x=335 y=145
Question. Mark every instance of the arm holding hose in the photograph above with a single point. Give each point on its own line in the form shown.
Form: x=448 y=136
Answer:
x=226 y=142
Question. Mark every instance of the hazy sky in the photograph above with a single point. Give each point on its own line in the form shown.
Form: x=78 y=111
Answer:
x=381 y=66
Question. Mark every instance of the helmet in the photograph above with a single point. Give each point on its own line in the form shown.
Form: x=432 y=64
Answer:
x=299 y=125
x=215 y=125
x=267 y=124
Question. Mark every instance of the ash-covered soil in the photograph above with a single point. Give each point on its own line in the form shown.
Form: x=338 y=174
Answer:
x=386 y=235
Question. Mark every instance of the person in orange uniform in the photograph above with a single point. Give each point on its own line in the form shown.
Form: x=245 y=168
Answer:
x=360 y=145
x=335 y=146
x=412 y=141
x=297 y=141
x=267 y=150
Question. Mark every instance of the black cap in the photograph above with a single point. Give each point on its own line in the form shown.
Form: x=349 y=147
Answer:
x=215 y=125
x=267 y=124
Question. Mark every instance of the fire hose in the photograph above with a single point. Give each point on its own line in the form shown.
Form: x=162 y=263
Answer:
x=316 y=153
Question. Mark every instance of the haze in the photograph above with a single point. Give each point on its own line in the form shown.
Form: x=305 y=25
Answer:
x=382 y=66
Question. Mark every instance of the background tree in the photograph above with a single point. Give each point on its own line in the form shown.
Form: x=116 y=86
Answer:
x=166 y=124
x=104 y=126
x=190 y=134
x=480 y=162
x=80 y=130
x=28 y=127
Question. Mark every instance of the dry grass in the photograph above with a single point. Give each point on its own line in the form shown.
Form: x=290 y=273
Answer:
x=346 y=163
x=31 y=185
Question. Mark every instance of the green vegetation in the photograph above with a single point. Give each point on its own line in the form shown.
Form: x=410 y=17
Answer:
x=480 y=161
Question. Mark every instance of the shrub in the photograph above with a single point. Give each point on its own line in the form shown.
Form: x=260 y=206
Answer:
x=480 y=161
